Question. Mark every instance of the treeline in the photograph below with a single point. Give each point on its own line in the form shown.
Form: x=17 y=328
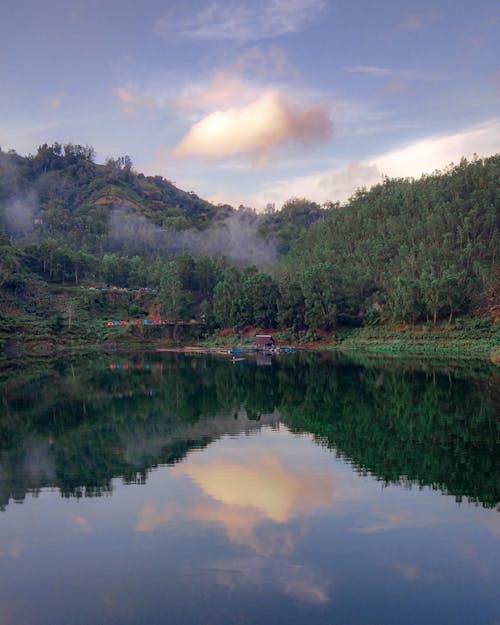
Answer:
x=406 y=250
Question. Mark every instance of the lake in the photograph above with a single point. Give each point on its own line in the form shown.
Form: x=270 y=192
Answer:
x=301 y=489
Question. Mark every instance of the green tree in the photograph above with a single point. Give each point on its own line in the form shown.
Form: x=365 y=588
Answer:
x=175 y=301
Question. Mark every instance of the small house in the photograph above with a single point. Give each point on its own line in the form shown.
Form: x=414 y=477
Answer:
x=263 y=342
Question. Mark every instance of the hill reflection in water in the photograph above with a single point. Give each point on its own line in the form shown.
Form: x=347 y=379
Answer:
x=77 y=427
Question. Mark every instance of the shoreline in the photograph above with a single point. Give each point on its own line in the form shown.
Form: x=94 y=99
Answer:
x=465 y=344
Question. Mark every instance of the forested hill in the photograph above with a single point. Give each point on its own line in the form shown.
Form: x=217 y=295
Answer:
x=408 y=250
x=405 y=251
x=60 y=192
x=62 y=196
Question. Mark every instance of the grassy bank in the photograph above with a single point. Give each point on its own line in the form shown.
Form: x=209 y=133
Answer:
x=465 y=339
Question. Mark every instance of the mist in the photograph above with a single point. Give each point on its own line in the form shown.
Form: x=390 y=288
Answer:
x=236 y=238
x=18 y=206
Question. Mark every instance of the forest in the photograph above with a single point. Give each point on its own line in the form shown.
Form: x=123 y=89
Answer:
x=407 y=251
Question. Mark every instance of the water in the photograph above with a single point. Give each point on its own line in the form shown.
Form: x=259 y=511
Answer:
x=163 y=489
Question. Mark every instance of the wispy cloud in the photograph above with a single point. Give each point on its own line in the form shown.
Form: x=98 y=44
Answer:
x=243 y=21
x=81 y=524
x=300 y=582
x=224 y=89
x=11 y=550
x=387 y=72
x=410 y=23
x=151 y=517
x=264 y=61
x=414 y=22
x=388 y=521
x=256 y=130
x=494 y=79
x=237 y=82
x=131 y=101
x=53 y=102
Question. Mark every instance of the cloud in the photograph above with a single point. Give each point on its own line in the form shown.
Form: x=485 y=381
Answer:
x=412 y=573
x=370 y=70
x=224 y=89
x=12 y=551
x=395 y=87
x=232 y=84
x=241 y=525
x=263 y=61
x=261 y=485
x=397 y=79
x=297 y=581
x=242 y=21
x=81 y=524
x=389 y=521
x=53 y=102
x=423 y=156
x=256 y=130
x=411 y=23
x=132 y=102
x=414 y=23
x=494 y=79
x=151 y=517
x=492 y=524
x=433 y=153
x=388 y=72
x=309 y=591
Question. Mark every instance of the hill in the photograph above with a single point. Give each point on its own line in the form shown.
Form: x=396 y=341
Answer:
x=82 y=243
x=406 y=250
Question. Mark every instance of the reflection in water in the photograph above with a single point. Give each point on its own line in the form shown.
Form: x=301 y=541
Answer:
x=261 y=484
x=77 y=428
x=152 y=517
x=308 y=491
x=299 y=582
x=241 y=495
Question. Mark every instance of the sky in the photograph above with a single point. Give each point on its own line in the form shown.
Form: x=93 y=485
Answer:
x=255 y=102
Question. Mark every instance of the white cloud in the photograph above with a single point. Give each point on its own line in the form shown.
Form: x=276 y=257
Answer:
x=413 y=160
x=242 y=21
x=256 y=130
x=437 y=152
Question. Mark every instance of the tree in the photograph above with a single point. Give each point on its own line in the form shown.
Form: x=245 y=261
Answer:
x=262 y=294
x=320 y=287
x=291 y=304
x=175 y=301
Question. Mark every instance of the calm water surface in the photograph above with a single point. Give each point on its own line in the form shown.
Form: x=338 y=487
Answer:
x=165 y=489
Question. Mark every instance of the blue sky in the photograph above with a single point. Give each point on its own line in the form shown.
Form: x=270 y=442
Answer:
x=255 y=102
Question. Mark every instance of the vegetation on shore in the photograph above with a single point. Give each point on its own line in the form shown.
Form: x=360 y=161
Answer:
x=408 y=265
